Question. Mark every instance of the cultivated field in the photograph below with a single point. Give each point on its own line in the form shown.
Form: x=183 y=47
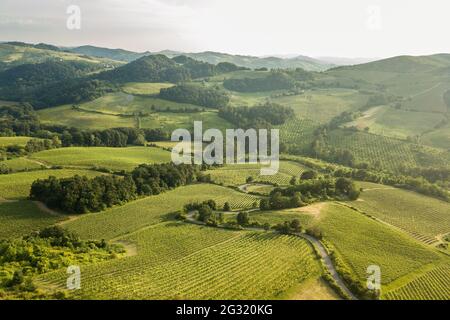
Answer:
x=177 y=261
x=102 y=157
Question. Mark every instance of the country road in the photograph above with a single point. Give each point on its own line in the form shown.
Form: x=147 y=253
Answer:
x=314 y=242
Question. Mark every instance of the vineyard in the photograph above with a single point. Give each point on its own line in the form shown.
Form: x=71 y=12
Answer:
x=20 y=218
x=361 y=242
x=21 y=164
x=141 y=213
x=433 y=285
x=388 y=152
x=177 y=261
x=102 y=157
x=237 y=174
x=144 y=88
x=422 y=217
x=8 y=141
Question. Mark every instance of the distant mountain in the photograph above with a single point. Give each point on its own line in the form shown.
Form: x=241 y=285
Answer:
x=404 y=64
x=114 y=54
x=13 y=54
x=306 y=63
x=211 y=57
x=342 y=61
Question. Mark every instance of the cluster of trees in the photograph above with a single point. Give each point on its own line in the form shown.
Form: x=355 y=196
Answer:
x=200 y=69
x=50 y=249
x=20 y=120
x=274 y=81
x=307 y=191
x=196 y=94
x=288 y=227
x=418 y=184
x=262 y=116
x=205 y=212
x=36 y=145
x=81 y=194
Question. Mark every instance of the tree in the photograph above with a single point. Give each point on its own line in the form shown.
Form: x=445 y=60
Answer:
x=204 y=213
x=295 y=225
x=243 y=218
x=308 y=175
x=293 y=181
x=226 y=206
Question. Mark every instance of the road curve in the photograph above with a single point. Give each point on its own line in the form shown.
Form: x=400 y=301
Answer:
x=320 y=249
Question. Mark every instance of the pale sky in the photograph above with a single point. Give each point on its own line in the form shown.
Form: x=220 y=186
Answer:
x=344 y=28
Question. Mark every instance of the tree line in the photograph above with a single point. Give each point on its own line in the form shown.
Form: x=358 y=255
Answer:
x=262 y=116
x=196 y=94
x=80 y=194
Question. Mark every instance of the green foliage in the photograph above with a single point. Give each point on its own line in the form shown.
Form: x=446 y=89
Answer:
x=261 y=116
x=274 y=81
x=195 y=94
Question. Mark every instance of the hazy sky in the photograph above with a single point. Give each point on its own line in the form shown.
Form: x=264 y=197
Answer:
x=345 y=28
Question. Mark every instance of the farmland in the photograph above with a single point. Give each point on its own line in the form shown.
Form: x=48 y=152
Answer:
x=8 y=141
x=151 y=210
x=102 y=157
x=179 y=261
x=236 y=174
x=420 y=216
x=17 y=185
x=20 y=218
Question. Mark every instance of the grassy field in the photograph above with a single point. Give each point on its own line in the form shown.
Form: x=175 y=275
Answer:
x=17 y=185
x=110 y=158
x=141 y=213
x=179 y=261
x=143 y=88
x=322 y=105
x=439 y=138
x=21 y=164
x=422 y=217
x=20 y=218
x=65 y=115
x=8 y=141
x=397 y=123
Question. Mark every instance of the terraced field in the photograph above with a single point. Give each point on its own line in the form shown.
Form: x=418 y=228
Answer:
x=17 y=185
x=433 y=285
x=110 y=158
x=176 y=261
x=422 y=217
x=119 y=221
x=20 y=218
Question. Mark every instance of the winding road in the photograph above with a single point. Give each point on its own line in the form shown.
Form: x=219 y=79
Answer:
x=320 y=249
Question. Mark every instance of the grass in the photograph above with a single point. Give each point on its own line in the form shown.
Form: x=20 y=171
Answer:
x=110 y=158
x=17 y=185
x=422 y=217
x=397 y=123
x=21 y=164
x=119 y=221
x=322 y=105
x=179 y=261
x=65 y=115
x=439 y=138
x=20 y=218
x=143 y=88
x=8 y=141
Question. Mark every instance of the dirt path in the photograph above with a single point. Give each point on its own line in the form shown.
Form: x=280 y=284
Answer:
x=320 y=249
x=39 y=163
